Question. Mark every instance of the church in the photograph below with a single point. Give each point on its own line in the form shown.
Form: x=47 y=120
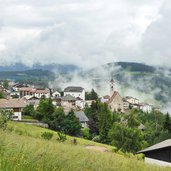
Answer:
x=114 y=101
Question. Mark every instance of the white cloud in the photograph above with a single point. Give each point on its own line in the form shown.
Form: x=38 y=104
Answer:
x=86 y=33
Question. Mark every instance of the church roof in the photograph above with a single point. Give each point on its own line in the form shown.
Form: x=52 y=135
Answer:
x=115 y=93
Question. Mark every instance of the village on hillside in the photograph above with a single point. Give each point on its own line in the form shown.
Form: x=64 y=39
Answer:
x=125 y=122
x=17 y=96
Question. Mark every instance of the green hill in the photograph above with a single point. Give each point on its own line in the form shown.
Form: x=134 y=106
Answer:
x=23 y=149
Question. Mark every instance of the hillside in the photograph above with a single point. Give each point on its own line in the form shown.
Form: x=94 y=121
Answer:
x=50 y=67
x=36 y=76
x=22 y=148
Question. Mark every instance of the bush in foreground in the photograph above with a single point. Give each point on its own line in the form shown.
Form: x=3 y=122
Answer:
x=47 y=135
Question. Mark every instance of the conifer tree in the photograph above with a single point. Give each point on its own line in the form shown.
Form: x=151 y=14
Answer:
x=104 y=123
x=167 y=123
x=72 y=125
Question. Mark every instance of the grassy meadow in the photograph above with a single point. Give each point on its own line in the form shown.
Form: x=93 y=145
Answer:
x=23 y=149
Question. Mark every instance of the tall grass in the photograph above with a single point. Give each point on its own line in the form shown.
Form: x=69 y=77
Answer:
x=29 y=153
x=36 y=132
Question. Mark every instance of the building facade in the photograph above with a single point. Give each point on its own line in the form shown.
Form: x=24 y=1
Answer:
x=75 y=92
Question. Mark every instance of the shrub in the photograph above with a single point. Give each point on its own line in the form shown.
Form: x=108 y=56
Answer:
x=74 y=141
x=85 y=133
x=114 y=149
x=3 y=121
x=140 y=156
x=47 y=135
x=120 y=152
x=96 y=138
x=61 y=137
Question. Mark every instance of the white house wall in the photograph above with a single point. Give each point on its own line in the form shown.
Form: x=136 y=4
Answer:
x=146 y=108
x=76 y=94
x=80 y=104
x=157 y=162
x=18 y=114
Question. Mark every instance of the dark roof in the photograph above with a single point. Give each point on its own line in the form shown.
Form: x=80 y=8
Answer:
x=73 y=89
x=81 y=116
x=78 y=98
x=163 y=144
x=68 y=97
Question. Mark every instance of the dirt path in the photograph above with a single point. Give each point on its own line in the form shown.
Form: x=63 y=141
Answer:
x=97 y=148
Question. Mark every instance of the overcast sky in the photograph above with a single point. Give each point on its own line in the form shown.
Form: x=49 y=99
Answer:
x=85 y=32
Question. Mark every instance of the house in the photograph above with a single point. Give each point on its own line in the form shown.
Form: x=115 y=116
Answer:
x=14 y=93
x=57 y=101
x=16 y=87
x=14 y=105
x=115 y=103
x=82 y=118
x=56 y=94
x=80 y=103
x=34 y=92
x=131 y=100
x=75 y=92
x=126 y=104
x=89 y=102
x=41 y=92
x=105 y=99
x=147 y=108
x=156 y=108
x=68 y=102
x=31 y=100
x=159 y=154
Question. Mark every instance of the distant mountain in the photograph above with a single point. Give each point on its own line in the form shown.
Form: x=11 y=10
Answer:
x=149 y=83
x=50 y=67
x=134 y=67
x=37 y=77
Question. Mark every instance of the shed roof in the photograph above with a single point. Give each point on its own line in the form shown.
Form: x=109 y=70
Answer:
x=163 y=144
x=81 y=116
x=73 y=89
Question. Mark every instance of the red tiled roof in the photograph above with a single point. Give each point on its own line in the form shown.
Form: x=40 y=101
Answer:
x=32 y=90
x=42 y=91
x=25 y=88
x=12 y=103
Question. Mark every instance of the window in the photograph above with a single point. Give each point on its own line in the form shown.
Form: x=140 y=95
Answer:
x=169 y=154
x=14 y=117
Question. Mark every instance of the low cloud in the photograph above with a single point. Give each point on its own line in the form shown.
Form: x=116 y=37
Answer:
x=85 y=33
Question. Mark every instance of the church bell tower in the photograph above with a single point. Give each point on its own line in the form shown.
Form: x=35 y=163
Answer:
x=112 y=87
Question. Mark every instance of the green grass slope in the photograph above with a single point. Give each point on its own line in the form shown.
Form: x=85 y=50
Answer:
x=23 y=149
